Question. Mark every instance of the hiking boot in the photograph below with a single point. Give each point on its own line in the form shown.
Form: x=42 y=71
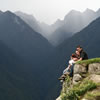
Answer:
x=63 y=76
x=67 y=73
x=60 y=78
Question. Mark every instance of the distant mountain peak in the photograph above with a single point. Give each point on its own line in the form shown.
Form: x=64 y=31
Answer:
x=73 y=13
x=20 y=12
x=25 y=15
x=98 y=11
x=58 y=21
x=89 y=11
x=8 y=12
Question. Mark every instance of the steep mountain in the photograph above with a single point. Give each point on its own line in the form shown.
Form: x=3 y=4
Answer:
x=73 y=22
x=57 y=24
x=31 y=74
x=47 y=29
x=40 y=27
x=21 y=38
x=56 y=33
x=16 y=82
x=30 y=20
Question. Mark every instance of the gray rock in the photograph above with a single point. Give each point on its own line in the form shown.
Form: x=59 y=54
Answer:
x=94 y=68
x=95 y=78
x=77 y=78
x=80 y=68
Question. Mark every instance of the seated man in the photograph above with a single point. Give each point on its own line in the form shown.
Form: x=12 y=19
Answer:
x=83 y=56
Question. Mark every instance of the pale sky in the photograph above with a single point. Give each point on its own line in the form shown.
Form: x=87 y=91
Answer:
x=48 y=11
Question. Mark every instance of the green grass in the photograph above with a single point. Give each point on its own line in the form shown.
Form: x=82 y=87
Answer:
x=89 y=61
x=92 y=96
x=98 y=84
x=78 y=90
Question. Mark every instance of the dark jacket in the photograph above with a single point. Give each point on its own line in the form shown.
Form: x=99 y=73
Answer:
x=83 y=55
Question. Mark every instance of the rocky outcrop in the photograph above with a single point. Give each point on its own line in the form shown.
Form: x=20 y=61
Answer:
x=95 y=78
x=81 y=71
x=94 y=68
x=87 y=78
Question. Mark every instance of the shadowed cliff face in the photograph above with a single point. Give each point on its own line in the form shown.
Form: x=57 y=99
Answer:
x=23 y=57
x=16 y=82
x=21 y=38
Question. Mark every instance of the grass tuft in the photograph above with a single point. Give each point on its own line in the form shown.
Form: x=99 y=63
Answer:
x=89 y=61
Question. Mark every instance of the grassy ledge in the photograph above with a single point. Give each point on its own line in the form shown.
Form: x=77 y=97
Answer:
x=89 y=61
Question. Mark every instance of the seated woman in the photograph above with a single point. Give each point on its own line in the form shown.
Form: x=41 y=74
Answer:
x=74 y=58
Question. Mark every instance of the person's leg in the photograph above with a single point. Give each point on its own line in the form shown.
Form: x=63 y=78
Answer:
x=65 y=72
x=71 y=71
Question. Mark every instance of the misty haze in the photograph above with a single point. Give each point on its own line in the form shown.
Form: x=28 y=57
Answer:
x=37 y=39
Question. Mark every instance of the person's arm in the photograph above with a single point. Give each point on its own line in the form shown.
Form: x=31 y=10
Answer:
x=80 y=59
x=81 y=56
